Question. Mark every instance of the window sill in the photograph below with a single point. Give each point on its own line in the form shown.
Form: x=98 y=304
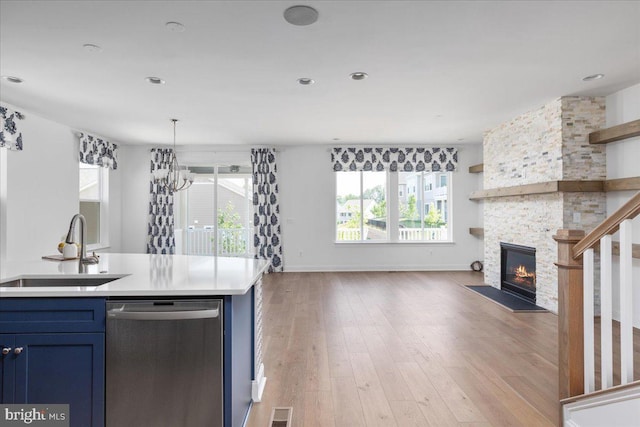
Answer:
x=399 y=242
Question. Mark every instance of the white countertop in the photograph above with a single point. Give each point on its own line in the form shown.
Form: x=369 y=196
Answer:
x=140 y=275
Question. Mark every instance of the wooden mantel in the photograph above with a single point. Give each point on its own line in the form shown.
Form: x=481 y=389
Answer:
x=540 y=188
x=567 y=186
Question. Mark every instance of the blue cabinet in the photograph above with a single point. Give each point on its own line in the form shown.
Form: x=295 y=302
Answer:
x=54 y=354
x=238 y=358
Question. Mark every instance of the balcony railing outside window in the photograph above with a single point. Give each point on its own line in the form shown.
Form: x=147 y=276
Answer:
x=230 y=241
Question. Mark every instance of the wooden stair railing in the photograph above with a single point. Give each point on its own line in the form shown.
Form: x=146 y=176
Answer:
x=575 y=302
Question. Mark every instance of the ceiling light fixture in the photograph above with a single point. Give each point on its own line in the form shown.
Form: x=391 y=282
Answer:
x=172 y=177
x=593 y=77
x=359 y=75
x=12 y=79
x=175 y=27
x=93 y=48
x=155 y=80
x=305 y=81
x=301 y=15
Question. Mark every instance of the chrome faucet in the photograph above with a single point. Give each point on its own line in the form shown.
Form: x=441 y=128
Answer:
x=84 y=259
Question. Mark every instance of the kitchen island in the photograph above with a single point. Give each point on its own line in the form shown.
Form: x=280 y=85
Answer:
x=55 y=324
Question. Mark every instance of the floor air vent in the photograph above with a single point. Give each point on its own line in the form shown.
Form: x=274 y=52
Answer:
x=281 y=417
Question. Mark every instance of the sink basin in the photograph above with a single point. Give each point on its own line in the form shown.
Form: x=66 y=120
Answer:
x=41 y=282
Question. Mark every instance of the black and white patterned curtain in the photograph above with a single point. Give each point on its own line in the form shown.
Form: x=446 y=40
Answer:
x=160 y=232
x=394 y=159
x=266 y=217
x=10 y=136
x=97 y=151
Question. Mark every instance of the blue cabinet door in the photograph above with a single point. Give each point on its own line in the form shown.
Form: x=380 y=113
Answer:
x=63 y=368
x=7 y=370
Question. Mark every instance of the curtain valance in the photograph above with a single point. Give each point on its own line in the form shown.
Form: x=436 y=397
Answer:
x=394 y=159
x=97 y=151
x=10 y=135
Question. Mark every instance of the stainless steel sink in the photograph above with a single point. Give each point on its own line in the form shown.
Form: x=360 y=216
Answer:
x=40 y=282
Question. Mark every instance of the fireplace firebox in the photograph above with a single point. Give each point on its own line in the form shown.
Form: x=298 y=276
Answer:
x=518 y=270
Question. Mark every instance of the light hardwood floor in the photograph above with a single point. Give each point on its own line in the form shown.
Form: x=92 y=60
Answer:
x=403 y=349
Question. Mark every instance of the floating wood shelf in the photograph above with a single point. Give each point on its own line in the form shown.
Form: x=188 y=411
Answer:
x=615 y=133
x=622 y=184
x=476 y=231
x=540 y=188
x=476 y=168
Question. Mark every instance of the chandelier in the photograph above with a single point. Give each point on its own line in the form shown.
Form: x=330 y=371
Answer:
x=173 y=178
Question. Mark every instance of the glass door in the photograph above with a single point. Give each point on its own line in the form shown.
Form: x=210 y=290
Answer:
x=214 y=214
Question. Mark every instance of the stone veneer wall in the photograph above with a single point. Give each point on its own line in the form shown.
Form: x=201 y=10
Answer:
x=547 y=144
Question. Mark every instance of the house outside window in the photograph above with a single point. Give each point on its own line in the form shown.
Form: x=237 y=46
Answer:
x=94 y=204
x=362 y=207
x=422 y=217
x=361 y=212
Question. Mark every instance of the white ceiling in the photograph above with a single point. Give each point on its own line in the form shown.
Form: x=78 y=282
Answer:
x=439 y=72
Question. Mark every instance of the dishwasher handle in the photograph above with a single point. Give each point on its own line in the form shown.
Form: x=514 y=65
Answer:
x=120 y=313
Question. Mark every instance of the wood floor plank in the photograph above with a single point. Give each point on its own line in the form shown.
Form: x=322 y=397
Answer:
x=433 y=408
x=499 y=407
x=318 y=371
x=375 y=405
x=405 y=349
x=408 y=414
x=346 y=402
x=318 y=409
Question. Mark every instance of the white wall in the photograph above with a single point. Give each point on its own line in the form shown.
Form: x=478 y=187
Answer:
x=622 y=162
x=40 y=190
x=307 y=206
x=134 y=163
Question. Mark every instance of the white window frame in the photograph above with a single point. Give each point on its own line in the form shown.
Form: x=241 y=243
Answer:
x=103 y=195
x=393 y=214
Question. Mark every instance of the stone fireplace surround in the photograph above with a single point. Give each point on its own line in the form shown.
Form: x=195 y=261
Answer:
x=547 y=144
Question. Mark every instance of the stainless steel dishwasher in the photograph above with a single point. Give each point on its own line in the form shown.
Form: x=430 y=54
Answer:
x=164 y=363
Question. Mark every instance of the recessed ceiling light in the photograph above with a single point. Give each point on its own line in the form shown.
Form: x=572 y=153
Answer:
x=301 y=15
x=306 y=81
x=155 y=80
x=92 y=47
x=13 y=79
x=359 y=75
x=175 y=27
x=593 y=77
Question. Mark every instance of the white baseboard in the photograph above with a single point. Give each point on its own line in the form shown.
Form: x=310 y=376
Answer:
x=342 y=268
x=257 y=385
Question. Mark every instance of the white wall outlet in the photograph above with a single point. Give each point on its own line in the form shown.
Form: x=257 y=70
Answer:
x=577 y=217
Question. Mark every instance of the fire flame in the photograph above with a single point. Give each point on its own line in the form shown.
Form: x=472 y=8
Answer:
x=522 y=274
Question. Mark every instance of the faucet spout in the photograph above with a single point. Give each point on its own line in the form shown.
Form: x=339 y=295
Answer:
x=84 y=259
